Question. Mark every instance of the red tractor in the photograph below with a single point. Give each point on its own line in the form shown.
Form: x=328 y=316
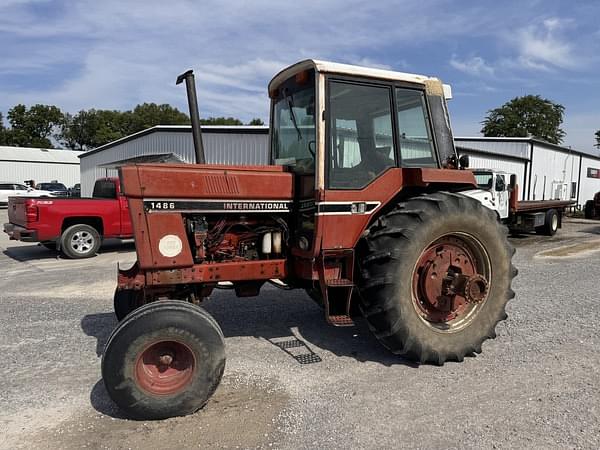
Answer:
x=361 y=207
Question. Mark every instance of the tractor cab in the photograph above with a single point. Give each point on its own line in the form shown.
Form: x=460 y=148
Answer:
x=354 y=138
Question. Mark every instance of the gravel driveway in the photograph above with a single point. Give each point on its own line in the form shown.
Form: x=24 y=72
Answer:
x=536 y=386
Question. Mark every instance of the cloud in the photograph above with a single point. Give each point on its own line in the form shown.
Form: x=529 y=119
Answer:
x=475 y=66
x=541 y=47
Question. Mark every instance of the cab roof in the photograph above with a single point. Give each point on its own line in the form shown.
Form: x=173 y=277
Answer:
x=348 y=69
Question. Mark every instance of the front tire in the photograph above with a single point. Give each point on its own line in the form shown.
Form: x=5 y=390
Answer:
x=165 y=359
x=407 y=260
x=126 y=301
x=80 y=241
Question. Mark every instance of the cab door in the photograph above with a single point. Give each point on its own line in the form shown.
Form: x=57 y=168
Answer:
x=502 y=195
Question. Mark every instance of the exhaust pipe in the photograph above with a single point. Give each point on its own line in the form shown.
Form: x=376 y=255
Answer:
x=190 y=85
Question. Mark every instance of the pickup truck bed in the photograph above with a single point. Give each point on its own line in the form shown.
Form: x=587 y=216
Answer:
x=74 y=225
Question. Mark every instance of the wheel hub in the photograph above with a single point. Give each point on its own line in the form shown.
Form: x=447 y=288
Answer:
x=447 y=282
x=165 y=368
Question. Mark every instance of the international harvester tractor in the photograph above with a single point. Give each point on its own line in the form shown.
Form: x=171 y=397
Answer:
x=360 y=206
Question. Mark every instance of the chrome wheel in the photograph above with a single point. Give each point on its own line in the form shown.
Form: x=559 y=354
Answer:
x=82 y=242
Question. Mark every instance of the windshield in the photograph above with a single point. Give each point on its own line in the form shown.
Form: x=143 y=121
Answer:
x=484 y=180
x=52 y=186
x=294 y=137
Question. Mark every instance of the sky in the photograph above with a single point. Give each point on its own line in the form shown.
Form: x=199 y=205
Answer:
x=114 y=54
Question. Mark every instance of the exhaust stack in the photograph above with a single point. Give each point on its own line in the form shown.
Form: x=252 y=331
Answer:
x=190 y=85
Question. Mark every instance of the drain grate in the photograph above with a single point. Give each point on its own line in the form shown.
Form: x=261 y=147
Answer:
x=297 y=349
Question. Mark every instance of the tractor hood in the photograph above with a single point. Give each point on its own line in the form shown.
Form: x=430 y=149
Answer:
x=203 y=181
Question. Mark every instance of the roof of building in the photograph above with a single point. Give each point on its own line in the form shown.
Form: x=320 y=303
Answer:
x=227 y=129
x=488 y=143
x=44 y=155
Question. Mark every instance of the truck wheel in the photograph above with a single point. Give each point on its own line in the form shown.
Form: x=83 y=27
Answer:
x=550 y=224
x=589 y=210
x=165 y=359
x=80 y=241
x=125 y=301
x=436 y=274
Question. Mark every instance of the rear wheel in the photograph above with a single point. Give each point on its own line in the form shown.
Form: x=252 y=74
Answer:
x=435 y=277
x=589 y=210
x=165 y=359
x=80 y=241
x=550 y=226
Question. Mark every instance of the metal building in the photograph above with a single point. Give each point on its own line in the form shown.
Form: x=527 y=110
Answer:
x=544 y=171
x=18 y=164
x=222 y=145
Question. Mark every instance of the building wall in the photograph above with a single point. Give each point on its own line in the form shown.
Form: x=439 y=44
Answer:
x=219 y=148
x=588 y=185
x=551 y=165
x=19 y=171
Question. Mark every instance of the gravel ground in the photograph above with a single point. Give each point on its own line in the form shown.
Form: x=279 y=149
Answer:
x=536 y=386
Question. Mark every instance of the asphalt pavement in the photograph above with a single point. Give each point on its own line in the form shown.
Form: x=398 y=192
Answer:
x=537 y=385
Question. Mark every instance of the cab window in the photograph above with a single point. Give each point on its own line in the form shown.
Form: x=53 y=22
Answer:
x=416 y=144
x=361 y=142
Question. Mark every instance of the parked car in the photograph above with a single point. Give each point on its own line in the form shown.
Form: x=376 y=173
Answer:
x=57 y=189
x=10 y=189
x=74 y=226
x=75 y=191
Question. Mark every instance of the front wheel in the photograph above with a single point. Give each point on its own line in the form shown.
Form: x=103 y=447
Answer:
x=165 y=359
x=80 y=241
x=126 y=301
x=435 y=278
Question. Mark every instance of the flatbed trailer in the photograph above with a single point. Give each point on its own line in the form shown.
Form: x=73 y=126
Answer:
x=499 y=192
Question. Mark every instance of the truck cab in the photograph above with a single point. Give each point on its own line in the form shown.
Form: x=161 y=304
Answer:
x=494 y=190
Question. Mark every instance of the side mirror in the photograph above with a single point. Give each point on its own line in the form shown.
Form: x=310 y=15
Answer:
x=463 y=161
x=513 y=182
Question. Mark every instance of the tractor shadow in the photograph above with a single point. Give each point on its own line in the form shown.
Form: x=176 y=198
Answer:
x=294 y=324
x=289 y=320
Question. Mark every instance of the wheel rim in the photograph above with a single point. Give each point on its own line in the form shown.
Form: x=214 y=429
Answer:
x=165 y=368
x=82 y=242
x=451 y=282
x=554 y=222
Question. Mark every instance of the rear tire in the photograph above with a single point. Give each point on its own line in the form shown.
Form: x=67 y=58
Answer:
x=396 y=258
x=551 y=222
x=590 y=210
x=165 y=359
x=80 y=241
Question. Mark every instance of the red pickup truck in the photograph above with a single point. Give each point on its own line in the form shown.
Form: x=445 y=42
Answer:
x=74 y=226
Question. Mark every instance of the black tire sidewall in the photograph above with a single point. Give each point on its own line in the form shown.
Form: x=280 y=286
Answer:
x=65 y=244
x=160 y=321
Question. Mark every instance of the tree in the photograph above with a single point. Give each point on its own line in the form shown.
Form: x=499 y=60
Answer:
x=33 y=127
x=256 y=121
x=221 y=121
x=530 y=115
x=148 y=115
x=2 y=131
x=597 y=135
